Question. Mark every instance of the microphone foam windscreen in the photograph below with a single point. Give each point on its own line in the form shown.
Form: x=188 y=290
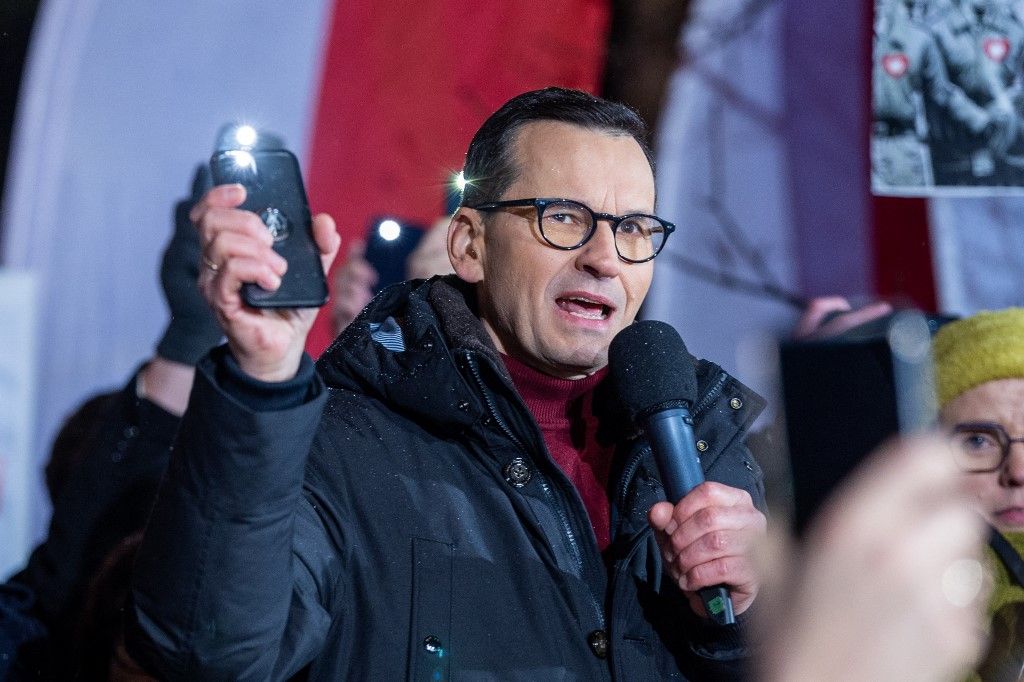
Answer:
x=650 y=367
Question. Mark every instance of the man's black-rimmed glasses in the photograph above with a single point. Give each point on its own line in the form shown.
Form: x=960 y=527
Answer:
x=566 y=224
x=981 y=446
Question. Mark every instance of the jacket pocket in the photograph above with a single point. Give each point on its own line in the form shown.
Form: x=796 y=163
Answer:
x=431 y=618
x=638 y=660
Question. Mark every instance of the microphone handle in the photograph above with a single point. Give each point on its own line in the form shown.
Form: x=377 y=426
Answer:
x=670 y=433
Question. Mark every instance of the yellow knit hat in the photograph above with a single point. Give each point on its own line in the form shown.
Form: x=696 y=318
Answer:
x=977 y=349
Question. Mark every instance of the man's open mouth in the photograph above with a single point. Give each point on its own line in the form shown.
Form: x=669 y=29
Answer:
x=587 y=308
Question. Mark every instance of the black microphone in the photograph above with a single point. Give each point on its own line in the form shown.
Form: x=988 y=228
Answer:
x=657 y=384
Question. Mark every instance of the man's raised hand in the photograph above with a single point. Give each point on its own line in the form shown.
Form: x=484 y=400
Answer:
x=237 y=249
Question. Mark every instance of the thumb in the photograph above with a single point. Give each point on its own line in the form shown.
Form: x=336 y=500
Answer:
x=660 y=515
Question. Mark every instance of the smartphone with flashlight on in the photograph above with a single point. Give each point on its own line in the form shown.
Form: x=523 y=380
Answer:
x=275 y=192
x=389 y=241
x=845 y=395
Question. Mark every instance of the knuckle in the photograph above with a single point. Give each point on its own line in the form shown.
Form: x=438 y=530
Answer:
x=709 y=573
x=218 y=244
x=705 y=490
x=252 y=221
x=203 y=226
x=262 y=253
x=707 y=518
x=721 y=568
x=212 y=222
x=254 y=225
x=717 y=541
x=695 y=577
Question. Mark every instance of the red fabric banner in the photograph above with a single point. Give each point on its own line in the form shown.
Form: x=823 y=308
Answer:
x=902 y=250
x=406 y=84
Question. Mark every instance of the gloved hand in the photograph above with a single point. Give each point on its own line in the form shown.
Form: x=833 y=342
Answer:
x=192 y=330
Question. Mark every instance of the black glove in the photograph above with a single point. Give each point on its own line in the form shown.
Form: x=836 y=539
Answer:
x=193 y=330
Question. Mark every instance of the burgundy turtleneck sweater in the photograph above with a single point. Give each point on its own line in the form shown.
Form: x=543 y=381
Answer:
x=563 y=409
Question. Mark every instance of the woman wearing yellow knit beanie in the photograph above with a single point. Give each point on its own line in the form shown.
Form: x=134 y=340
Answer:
x=979 y=376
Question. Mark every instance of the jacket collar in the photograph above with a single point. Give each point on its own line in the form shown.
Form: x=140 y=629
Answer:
x=439 y=325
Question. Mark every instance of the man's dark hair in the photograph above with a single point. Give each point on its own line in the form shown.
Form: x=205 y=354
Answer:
x=490 y=167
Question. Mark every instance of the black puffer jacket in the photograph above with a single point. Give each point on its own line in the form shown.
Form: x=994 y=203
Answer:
x=428 y=535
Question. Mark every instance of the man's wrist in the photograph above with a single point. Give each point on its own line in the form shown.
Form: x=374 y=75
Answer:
x=166 y=383
x=264 y=395
x=281 y=371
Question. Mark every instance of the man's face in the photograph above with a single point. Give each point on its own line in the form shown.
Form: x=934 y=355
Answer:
x=1000 y=492
x=558 y=310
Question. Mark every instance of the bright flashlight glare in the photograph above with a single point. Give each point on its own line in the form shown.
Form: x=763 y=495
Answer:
x=242 y=159
x=245 y=136
x=460 y=181
x=389 y=229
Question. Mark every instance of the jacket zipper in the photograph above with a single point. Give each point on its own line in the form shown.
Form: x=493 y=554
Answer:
x=491 y=407
x=712 y=394
x=634 y=463
x=545 y=485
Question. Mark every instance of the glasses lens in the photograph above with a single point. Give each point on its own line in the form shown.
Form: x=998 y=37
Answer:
x=566 y=223
x=977 y=448
x=639 y=237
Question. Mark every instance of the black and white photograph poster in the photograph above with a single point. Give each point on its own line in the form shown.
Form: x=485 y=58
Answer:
x=947 y=97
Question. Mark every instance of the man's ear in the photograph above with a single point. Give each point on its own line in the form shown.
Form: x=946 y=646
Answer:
x=466 y=245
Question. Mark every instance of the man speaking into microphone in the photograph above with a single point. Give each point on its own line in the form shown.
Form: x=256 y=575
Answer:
x=454 y=491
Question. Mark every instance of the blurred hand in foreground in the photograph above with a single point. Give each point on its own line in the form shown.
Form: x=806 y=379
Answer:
x=889 y=584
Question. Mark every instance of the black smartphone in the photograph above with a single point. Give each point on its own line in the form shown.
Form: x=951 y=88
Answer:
x=845 y=395
x=389 y=241
x=275 y=193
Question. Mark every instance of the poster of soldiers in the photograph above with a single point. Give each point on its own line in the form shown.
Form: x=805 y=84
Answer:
x=947 y=100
